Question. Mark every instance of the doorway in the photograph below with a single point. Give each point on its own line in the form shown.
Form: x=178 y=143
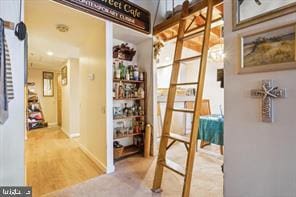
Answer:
x=64 y=150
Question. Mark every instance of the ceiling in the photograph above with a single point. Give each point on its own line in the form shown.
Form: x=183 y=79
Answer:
x=128 y=35
x=41 y=18
x=195 y=25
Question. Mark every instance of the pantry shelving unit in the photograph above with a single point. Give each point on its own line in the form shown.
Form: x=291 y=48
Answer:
x=133 y=147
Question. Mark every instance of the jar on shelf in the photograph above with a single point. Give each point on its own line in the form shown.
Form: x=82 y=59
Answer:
x=127 y=76
x=141 y=92
x=141 y=77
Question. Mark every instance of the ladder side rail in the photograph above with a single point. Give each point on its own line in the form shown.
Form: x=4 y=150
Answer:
x=198 y=102
x=170 y=101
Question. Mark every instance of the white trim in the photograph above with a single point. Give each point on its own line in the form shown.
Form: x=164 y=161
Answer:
x=109 y=97
x=66 y=133
x=98 y=163
x=52 y=124
x=73 y=135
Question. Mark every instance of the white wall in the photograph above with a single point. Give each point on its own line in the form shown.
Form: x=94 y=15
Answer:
x=259 y=157
x=145 y=62
x=212 y=89
x=48 y=104
x=93 y=94
x=189 y=73
x=71 y=100
x=12 y=166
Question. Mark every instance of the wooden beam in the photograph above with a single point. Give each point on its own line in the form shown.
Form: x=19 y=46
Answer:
x=193 y=46
x=198 y=28
x=199 y=21
x=217 y=31
x=174 y=20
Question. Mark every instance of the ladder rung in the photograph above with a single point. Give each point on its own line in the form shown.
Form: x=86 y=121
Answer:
x=188 y=59
x=183 y=110
x=178 y=137
x=173 y=166
x=193 y=35
x=184 y=84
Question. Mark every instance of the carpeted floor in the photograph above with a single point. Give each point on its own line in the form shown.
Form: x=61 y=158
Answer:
x=134 y=177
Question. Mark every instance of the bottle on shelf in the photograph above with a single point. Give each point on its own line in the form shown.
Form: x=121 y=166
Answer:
x=116 y=70
x=136 y=73
x=127 y=76
x=131 y=71
x=141 y=77
x=114 y=92
x=125 y=110
x=122 y=70
x=121 y=90
x=141 y=92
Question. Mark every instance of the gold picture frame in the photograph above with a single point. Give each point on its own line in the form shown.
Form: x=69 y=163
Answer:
x=259 y=18
x=48 y=84
x=269 y=50
x=64 y=76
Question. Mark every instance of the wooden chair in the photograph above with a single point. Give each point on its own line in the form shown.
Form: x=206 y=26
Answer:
x=205 y=110
x=205 y=107
x=159 y=115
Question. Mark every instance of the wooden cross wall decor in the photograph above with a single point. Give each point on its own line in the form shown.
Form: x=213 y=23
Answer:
x=268 y=92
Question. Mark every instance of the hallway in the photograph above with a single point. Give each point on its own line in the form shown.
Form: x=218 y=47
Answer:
x=54 y=161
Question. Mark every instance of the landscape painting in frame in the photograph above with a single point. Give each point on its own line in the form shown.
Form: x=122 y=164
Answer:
x=250 y=12
x=269 y=50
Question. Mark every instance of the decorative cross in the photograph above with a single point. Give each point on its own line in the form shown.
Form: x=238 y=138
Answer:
x=268 y=93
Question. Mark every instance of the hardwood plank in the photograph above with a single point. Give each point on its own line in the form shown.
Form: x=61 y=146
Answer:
x=54 y=161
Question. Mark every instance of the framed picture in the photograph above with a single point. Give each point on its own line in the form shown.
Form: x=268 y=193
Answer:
x=48 y=84
x=269 y=50
x=250 y=12
x=64 y=75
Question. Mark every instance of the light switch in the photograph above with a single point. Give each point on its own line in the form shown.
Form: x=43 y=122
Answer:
x=91 y=76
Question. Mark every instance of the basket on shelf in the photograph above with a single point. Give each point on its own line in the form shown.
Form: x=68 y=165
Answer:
x=118 y=152
x=123 y=52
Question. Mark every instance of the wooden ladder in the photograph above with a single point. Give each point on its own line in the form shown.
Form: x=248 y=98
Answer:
x=190 y=142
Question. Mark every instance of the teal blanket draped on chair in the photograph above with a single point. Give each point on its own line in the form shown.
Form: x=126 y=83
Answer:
x=211 y=129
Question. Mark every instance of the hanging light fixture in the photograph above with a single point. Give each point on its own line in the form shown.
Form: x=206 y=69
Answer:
x=216 y=53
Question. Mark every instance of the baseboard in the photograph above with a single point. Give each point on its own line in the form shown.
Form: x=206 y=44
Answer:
x=66 y=133
x=73 y=135
x=98 y=163
x=52 y=124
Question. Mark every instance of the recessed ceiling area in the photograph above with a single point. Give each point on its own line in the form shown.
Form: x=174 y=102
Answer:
x=128 y=35
x=49 y=45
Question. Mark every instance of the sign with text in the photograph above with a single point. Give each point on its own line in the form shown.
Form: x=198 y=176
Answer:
x=119 y=11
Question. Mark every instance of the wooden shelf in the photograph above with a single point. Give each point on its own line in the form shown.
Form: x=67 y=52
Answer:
x=128 y=99
x=126 y=136
x=128 y=151
x=128 y=117
x=127 y=81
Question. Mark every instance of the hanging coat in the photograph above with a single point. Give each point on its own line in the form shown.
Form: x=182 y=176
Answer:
x=6 y=83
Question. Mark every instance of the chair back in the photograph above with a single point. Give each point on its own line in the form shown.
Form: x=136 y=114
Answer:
x=205 y=107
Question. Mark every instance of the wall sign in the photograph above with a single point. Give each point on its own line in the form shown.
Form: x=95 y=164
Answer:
x=119 y=11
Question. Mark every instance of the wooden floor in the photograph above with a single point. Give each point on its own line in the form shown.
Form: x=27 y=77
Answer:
x=54 y=161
